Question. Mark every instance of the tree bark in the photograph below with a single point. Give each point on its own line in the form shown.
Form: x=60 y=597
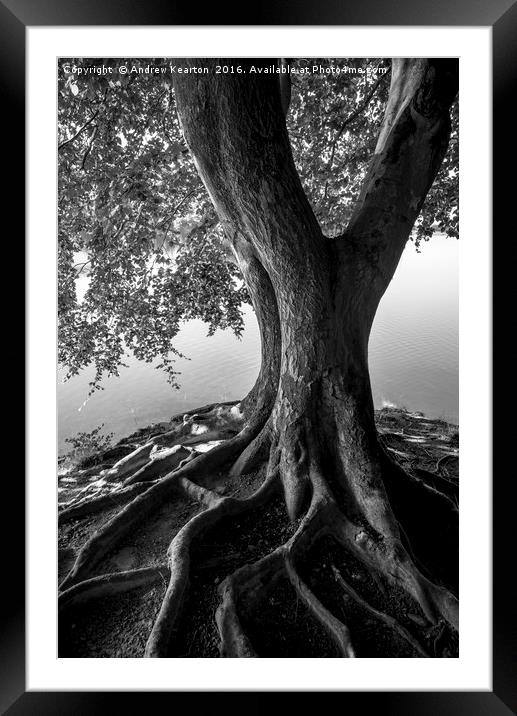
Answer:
x=259 y=401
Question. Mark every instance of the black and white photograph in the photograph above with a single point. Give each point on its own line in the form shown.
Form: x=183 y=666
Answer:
x=258 y=369
x=259 y=319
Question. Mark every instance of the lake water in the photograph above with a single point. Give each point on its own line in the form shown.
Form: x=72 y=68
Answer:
x=413 y=358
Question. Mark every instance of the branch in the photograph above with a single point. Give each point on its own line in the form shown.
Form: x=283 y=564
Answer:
x=82 y=265
x=410 y=148
x=178 y=206
x=358 y=111
x=351 y=117
x=235 y=129
x=90 y=145
x=79 y=131
x=86 y=124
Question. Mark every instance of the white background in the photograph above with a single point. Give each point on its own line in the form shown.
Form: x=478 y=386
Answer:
x=472 y=670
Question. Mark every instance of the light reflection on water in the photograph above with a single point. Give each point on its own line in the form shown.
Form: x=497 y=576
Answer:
x=413 y=357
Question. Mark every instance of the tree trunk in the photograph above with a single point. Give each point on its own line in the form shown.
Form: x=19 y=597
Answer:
x=321 y=430
x=326 y=291
x=259 y=401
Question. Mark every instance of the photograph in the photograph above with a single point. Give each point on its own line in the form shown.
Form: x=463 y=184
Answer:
x=258 y=380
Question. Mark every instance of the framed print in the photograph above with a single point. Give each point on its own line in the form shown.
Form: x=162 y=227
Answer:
x=123 y=152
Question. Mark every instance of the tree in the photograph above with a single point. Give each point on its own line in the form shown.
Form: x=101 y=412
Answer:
x=308 y=424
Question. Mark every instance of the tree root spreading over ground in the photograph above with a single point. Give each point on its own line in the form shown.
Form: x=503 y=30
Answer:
x=198 y=561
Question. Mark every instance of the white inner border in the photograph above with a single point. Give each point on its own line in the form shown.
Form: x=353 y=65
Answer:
x=472 y=670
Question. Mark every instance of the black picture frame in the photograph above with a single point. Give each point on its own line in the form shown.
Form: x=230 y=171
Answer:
x=501 y=15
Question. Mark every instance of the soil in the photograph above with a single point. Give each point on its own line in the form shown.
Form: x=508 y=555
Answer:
x=280 y=625
x=223 y=549
x=371 y=636
x=240 y=486
x=149 y=543
x=73 y=534
x=110 y=627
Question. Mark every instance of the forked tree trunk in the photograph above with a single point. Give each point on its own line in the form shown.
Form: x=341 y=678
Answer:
x=310 y=415
x=326 y=291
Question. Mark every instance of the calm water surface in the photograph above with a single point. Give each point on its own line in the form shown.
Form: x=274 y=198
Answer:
x=413 y=358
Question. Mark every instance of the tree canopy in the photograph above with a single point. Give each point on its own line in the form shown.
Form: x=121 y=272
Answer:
x=136 y=222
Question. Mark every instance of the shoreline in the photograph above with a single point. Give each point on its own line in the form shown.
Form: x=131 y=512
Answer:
x=411 y=438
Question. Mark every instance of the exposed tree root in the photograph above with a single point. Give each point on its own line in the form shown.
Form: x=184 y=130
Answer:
x=336 y=628
x=240 y=588
x=109 y=584
x=119 y=526
x=419 y=508
x=169 y=450
x=160 y=464
x=389 y=557
x=88 y=506
x=250 y=583
x=234 y=641
x=256 y=453
x=179 y=556
x=439 y=483
x=392 y=623
x=392 y=560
